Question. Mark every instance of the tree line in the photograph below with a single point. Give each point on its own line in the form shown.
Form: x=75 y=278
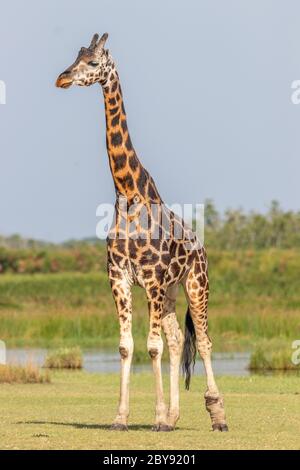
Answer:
x=233 y=229
x=236 y=229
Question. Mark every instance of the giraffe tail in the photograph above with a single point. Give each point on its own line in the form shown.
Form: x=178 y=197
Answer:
x=189 y=349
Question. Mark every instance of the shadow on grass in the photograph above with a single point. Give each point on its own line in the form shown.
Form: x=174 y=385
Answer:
x=133 y=427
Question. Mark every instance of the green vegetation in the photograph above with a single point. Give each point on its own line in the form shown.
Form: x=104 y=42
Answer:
x=76 y=410
x=29 y=374
x=52 y=259
x=59 y=295
x=275 y=355
x=239 y=230
x=254 y=295
x=64 y=358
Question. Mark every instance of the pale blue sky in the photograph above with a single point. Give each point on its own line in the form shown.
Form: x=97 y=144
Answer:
x=207 y=88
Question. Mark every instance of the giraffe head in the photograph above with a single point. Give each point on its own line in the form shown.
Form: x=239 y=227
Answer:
x=93 y=64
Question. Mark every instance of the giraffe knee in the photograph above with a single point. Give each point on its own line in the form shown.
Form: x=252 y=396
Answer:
x=124 y=352
x=155 y=347
x=126 y=347
x=153 y=353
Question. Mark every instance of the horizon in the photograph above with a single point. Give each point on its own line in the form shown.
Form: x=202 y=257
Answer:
x=94 y=238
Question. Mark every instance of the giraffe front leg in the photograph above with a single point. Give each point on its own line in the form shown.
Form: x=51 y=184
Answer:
x=122 y=296
x=155 y=349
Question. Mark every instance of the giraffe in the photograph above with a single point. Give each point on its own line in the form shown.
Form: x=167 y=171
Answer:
x=156 y=256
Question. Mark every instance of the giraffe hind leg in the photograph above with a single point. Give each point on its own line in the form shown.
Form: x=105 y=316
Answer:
x=155 y=350
x=196 y=338
x=174 y=339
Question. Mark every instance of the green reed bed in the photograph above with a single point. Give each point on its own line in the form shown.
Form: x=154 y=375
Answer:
x=254 y=295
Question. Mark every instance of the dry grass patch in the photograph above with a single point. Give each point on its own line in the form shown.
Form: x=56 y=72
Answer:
x=29 y=373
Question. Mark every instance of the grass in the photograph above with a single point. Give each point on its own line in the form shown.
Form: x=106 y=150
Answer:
x=17 y=374
x=64 y=358
x=76 y=410
x=255 y=298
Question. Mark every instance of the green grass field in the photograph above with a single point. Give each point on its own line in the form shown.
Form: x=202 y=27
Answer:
x=76 y=409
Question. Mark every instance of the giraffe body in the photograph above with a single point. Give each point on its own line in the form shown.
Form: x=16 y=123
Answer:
x=150 y=246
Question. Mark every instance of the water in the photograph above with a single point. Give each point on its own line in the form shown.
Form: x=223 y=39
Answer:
x=104 y=362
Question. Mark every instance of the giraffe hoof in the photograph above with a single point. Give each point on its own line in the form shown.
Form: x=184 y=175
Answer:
x=220 y=427
x=118 y=427
x=162 y=428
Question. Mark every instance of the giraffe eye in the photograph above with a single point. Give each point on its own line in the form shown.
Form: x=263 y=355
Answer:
x=93 y=63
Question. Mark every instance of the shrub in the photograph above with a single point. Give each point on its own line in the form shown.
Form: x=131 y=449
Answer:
x=275 y=359
x=64 y=358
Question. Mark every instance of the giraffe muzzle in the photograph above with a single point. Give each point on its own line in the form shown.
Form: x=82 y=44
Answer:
x=64 y=81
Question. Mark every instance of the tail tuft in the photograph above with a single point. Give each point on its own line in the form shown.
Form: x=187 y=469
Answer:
x=189 y=349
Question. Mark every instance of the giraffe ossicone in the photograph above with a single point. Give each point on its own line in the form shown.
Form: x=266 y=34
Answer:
x=158 y=264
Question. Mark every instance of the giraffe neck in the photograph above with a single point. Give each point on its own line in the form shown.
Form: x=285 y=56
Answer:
x=130 y=177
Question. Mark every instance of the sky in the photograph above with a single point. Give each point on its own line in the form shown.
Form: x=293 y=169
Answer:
x=207 y=90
